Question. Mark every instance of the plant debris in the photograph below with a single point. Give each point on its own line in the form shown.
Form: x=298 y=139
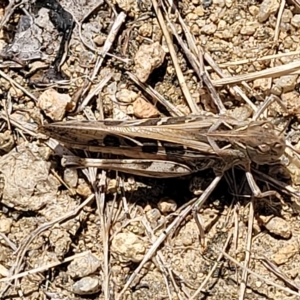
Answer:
x=103 y=234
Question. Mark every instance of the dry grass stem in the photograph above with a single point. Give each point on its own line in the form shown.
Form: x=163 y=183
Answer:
x=193 y=107
x=257 y=59
x=269 y=282
x=271 y=72
x=17 y=85
x=44 y=268
x=243 y=284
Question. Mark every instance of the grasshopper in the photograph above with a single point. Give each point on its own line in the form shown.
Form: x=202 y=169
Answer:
x=172 y=147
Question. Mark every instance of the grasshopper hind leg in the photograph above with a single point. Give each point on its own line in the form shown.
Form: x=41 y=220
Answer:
x=258 y=193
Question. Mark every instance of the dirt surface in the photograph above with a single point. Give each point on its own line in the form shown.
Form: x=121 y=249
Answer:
x=93 y=234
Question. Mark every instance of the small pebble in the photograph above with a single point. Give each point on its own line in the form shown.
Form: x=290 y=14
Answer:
x=15 y=92
x=228 y=3
x=83 y=189
x=100 y=39
x=261 y=84
x=199 y=11
x=249 y=28
x=287 y=82
x=206 y=3
x=84 y=266
x=279 y=227
x=287 y=15
x=167 y=205
x=5 y=225
x=148 y=58
x=143 y=109
x=54 y=104
x=285 y=253
x=87 y=286
x=267 y=8
x=71 y=177
x=146 y=30
x=253 y=10
x=209 y=28
x=129 y=247
x=126 y=96
x=296 y=21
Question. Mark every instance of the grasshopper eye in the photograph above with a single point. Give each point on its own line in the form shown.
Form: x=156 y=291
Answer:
x=264 y=148
x=279 y=148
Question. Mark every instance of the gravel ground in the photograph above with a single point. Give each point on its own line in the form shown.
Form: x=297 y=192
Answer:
x=89 y=234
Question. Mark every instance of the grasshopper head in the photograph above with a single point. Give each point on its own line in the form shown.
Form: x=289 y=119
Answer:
x=270 y=146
